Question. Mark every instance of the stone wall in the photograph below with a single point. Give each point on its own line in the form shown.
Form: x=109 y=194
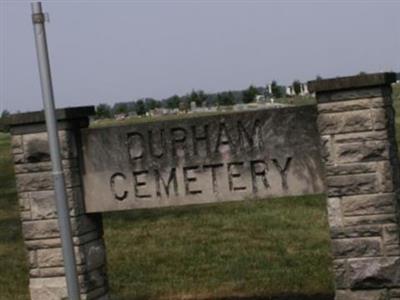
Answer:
x=202 y=159
x=38 y=211
x=358 y=147
x=356 y=123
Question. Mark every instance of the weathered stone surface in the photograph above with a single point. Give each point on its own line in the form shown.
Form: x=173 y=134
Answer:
x=94 y=254
x=361 y=295
x=42 y=203
x=335 y=217
x=391 y=234
x=372 y=204
x=352 y=121
x=351 y=105
x=36 y=146
x=339 y=267
x=357 y=121
x=347 y=185
x=362 y=152
x=92 y=280
x=44 y=166
x=394 y=293
x=16 y=144
x=369 y=220
x=52 y=257
x=327 y=150
x=392 y=250
x=227 y=157
x=361 y=137
x=386 y=177
x=40 y=229
x=54 y=288
x=44 y=181
x=352 y=83
x=374 y=273
x=38 y=212
x=356 y=247
x=56 y=242
x=356 y=231
x=98 y=294
x=32 y=259
x=351 y=168
x=18 y=159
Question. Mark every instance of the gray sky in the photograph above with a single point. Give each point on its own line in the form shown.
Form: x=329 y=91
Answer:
x=112 y=51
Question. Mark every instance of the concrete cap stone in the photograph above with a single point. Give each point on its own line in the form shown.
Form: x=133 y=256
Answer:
x=351 y=82
x=62 y=114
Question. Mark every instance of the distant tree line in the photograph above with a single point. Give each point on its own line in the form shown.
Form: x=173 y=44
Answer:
x=200 y=98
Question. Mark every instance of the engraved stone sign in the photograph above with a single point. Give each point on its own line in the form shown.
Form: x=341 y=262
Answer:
x=203 y=159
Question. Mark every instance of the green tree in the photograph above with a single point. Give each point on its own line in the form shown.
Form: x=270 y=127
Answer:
x=173 y=102
x=296 y=87
x=276 y=90
x=103 y=111
x=151 y=103
x=225 y=98
x=249 y=94
x=121 y=108
x=198 y=97
x=5 y=113
x=140 y=107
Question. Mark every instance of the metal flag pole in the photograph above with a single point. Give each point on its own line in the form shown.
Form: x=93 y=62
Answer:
x=38 y=20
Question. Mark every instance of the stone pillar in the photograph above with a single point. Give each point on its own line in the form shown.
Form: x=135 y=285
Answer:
x=37 y=206
x=356 y=124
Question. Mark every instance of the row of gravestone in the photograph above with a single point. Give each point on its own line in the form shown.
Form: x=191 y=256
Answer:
x=344 y=146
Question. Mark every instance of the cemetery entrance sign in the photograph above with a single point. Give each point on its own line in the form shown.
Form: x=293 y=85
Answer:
x=228 y=157
x=349 y=133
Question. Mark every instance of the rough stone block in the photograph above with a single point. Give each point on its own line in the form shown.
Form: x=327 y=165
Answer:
x=347 y=185
x=43 y=204
x=369 y=204
x=16 y=144
x=18 y=159
x=98 y=294
x=392 y=250
x=44 y=181
x=327 y=149
x=356 y=247
x=354 y=121
x=36 y=146
x=339 y=267
x=94 y=254
x=373 y=273
x=351 y=105
x=45 y=166
x=40 y=229
x=48 y=288
x=370 y=220
x=386 y=177
x=335 y=218
x=361 y=137
x=356 y=231
x=92 y=280
x=361 y=295
x=391 y=234
x=362 y=152
x=351 y=169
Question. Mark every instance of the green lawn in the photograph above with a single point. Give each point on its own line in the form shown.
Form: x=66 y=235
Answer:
x=13 y=267
x=253 y=248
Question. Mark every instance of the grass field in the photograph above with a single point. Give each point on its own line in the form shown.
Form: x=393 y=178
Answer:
x=253 y=249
